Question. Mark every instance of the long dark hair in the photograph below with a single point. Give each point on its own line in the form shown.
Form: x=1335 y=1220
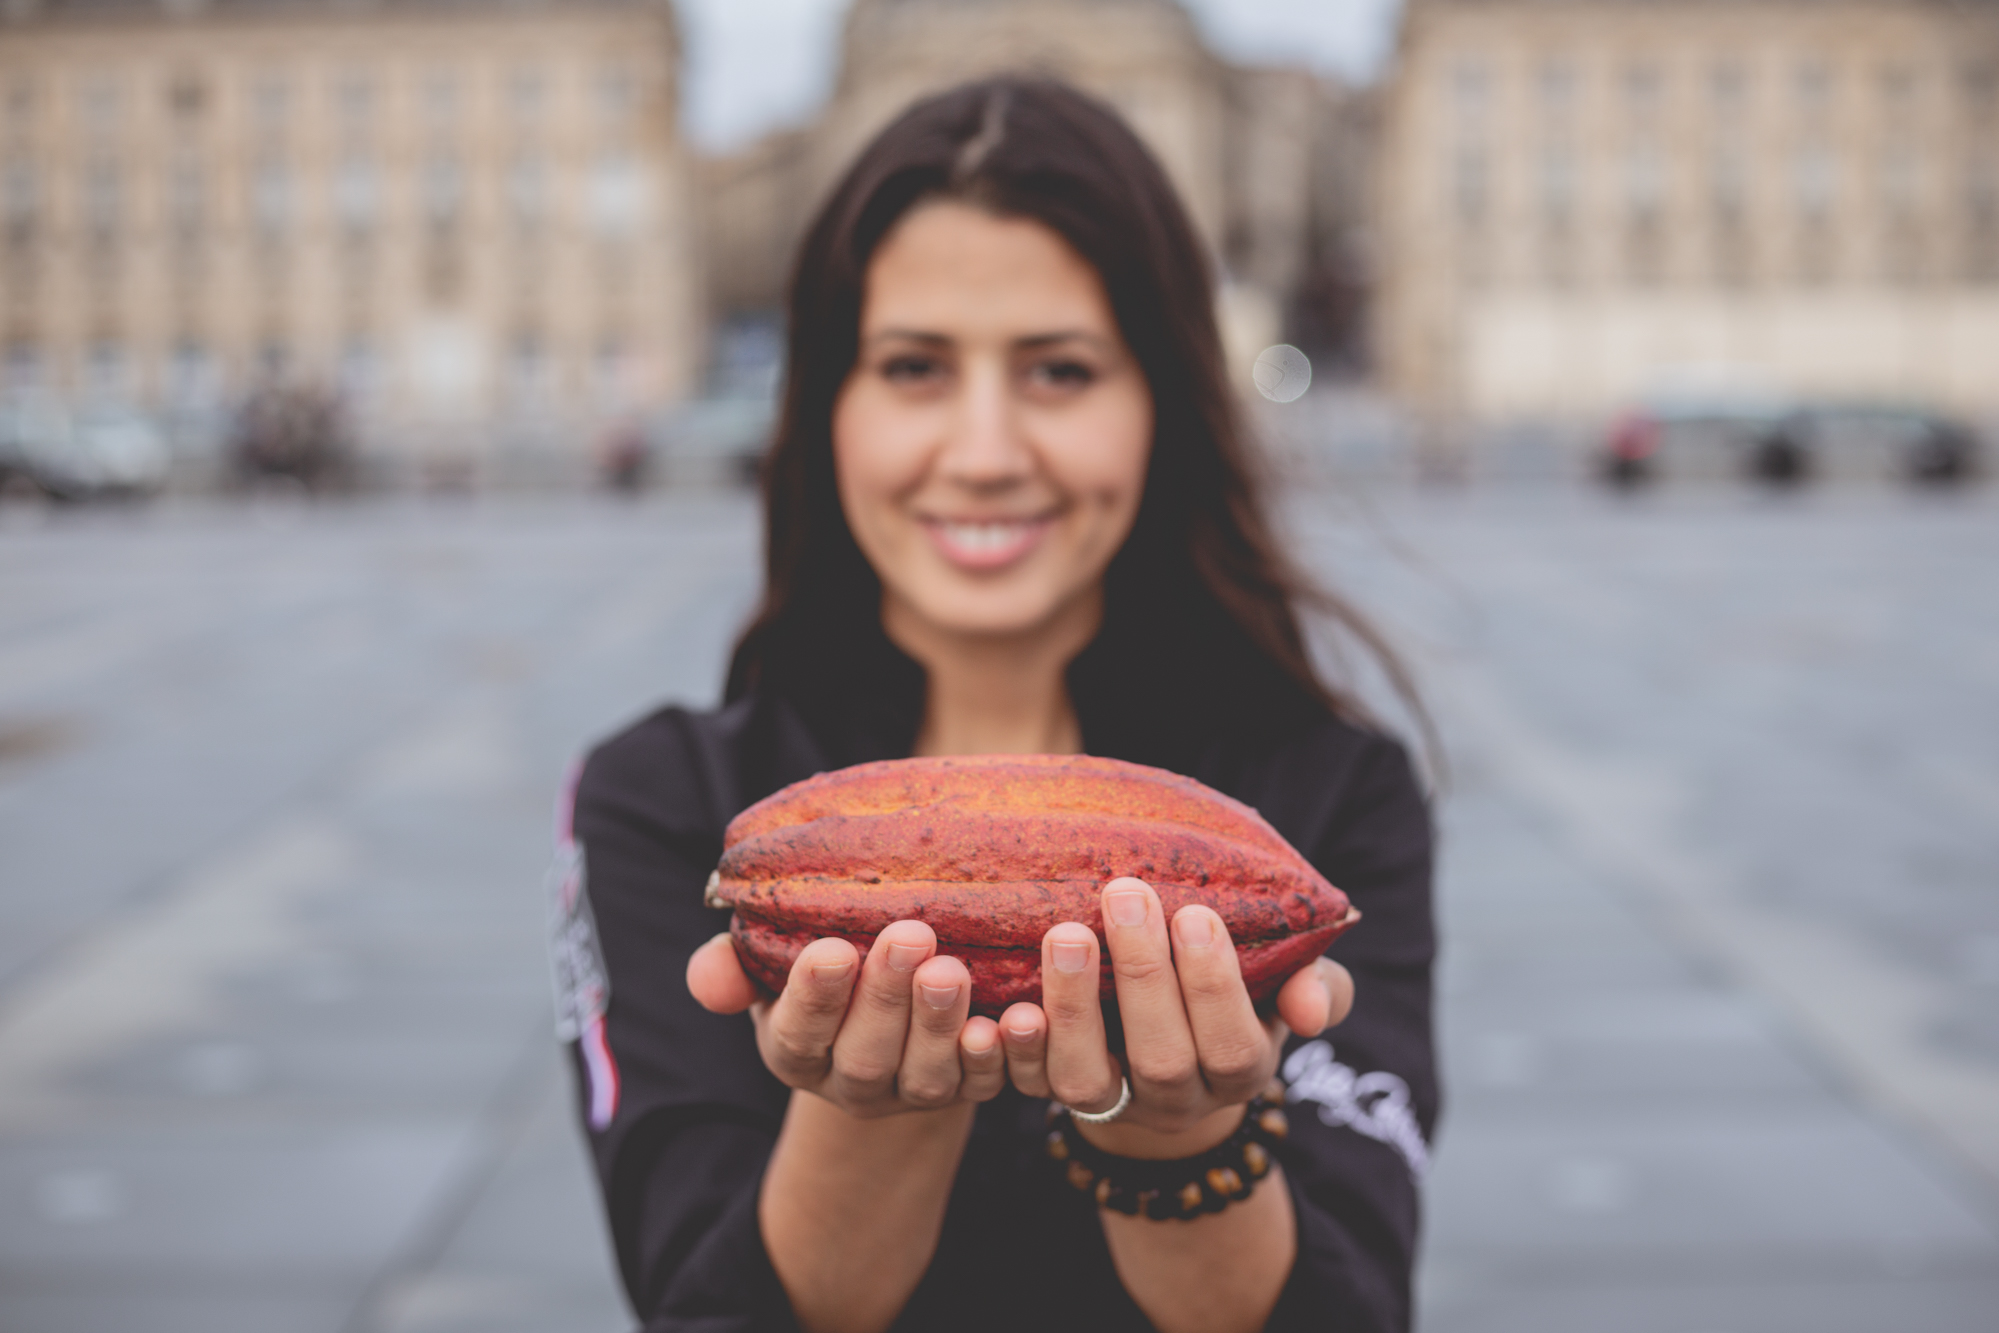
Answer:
x=1201 y=558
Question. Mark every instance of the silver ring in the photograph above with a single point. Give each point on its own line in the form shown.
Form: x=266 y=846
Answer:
x=1104 y=1117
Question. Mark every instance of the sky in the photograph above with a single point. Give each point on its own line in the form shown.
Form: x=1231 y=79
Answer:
x=753 y=65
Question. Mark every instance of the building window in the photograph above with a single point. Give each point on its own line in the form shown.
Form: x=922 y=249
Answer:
x=620 y=195
x=527 y=92
x=1728 y=164
x=23 y=370
x=1558 y=182
x=19 y=102
x=1814 y=181
x=1728 y=180
x=530 y=373
x=19 y=201
x=617 y=95
x=271 y=198
x=106 y=372
x=1471 y=183
x=354 y=98
x=356 y=197
x=443 y=268
x=443 y=189
x=187 y=195
x=527 y=191
x=1645 y=155
x=270 y=102
x=1899 y=177
x=1558 y=171
x=187 y=95
x=360 y=370
x=103 y=199
x=1471 y=161
x=440 y=97
x=274 y=360
x=1728 y=175
x=1981 y=172
x=1814 y=165
x=611 y=374
x=194 y=382
x=101 y=106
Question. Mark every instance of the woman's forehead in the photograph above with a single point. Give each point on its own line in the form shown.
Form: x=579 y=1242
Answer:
x=949 y=269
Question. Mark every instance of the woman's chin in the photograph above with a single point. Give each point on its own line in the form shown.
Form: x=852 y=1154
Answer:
x=987 y=613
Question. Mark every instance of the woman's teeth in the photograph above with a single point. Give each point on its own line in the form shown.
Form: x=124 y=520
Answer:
x=983 y=538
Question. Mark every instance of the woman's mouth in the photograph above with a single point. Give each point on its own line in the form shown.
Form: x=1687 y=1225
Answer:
x=985 y=543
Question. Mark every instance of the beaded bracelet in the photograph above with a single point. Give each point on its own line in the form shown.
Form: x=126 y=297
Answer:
x=1180 y=1188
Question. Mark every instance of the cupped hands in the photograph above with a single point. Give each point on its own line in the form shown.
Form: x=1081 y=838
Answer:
x=891 y=1033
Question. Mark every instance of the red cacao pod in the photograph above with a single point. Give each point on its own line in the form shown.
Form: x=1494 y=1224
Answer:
x=992 y=850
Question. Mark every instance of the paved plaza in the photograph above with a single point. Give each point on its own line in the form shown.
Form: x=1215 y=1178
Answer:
x=1720 y=900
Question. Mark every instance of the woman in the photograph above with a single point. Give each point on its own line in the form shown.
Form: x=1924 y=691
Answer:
x=1007 y=511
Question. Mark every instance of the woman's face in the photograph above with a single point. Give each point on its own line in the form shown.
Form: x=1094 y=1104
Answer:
x=991 y=441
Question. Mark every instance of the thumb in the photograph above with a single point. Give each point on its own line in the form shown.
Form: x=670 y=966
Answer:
x=1316 y=998
x=716 y=979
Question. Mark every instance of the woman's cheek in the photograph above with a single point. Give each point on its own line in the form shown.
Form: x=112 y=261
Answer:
x=877 y=456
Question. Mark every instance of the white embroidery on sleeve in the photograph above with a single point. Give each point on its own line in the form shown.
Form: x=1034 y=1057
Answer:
x=1375 y=1104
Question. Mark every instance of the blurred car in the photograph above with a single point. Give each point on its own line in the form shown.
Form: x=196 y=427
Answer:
x=1784 y=443
x=100 y=451
x=292 y=433
x=1912 y=442
x=714 y=441
x=1705 y=437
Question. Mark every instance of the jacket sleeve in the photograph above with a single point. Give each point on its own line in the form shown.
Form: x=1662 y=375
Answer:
x=1363 y=1098
x=680 y=1111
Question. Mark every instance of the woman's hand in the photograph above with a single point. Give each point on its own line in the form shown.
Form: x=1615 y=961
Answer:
x=1195 y=1050
x=875 y=1037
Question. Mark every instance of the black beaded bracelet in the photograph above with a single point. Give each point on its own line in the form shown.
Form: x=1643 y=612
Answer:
x=1179 y=1188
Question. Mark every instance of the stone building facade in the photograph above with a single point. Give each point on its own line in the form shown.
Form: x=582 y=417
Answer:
x=473 y=218
x=1245 y=146
x=1584 y=202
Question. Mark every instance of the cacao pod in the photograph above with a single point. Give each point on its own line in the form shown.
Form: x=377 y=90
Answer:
x=992 y=850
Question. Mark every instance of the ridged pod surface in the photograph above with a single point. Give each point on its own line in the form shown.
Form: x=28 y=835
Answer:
x=992 y=850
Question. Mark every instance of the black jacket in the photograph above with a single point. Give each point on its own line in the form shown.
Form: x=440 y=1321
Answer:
x=682 y=1114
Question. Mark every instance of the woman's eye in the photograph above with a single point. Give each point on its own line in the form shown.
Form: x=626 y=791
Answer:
x=1064 y=374
x=911 y=369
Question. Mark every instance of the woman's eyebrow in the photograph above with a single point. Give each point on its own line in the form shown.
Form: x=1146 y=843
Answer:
x=1062 y=336
x=907 y=335
x=1030 y=342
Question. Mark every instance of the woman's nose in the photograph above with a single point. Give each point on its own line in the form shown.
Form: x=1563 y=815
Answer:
x=986 y=446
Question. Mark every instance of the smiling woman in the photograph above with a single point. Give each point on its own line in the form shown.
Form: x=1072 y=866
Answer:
x=990 y=445
x=1009 y=510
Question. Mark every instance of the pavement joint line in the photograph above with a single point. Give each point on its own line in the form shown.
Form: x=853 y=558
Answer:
x=324 y=787
x=504 y=1123
x=1879 y=1056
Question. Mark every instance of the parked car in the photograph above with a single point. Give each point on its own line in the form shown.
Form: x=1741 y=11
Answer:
x=1783 y=443
x=98 y=451
x=292 y=433
x=714 y=441
x=1705 y=437
x=1911 y=442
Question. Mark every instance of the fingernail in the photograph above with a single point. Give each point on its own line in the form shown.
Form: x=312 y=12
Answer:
x=1194 y=929
x=906 y=957
x=972 y=1046
x=939 y=997
x=1070 y=957
x=1127 y=907
x=1020 y=1035
x=831 y=972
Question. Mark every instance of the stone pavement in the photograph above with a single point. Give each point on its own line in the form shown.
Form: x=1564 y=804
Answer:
x=1720 y=891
